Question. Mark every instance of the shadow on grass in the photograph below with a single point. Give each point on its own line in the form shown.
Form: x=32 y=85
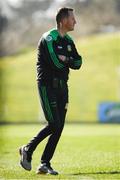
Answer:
x=99 y=172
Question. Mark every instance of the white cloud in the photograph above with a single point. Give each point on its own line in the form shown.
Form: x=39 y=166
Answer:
x=15 y=3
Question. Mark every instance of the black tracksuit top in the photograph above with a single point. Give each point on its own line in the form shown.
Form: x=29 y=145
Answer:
x=50 y=46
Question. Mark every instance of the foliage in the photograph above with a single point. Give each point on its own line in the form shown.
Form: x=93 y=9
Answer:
x=93 y=16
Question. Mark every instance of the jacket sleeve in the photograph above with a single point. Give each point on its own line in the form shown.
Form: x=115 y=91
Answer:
x=50 y=54
x=75 y=60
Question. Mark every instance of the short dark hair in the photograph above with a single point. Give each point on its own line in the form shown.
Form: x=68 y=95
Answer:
x=62 y=13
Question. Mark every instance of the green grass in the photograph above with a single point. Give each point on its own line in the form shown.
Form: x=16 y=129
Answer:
x=84 y=152
x=97 y=81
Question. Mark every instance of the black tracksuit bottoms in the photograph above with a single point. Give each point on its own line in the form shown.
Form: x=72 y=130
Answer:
x=54 y=100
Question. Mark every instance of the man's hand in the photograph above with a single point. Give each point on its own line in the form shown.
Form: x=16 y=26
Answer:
x=63 y=58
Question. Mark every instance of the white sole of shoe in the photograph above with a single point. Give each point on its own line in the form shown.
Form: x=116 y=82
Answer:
x=20 y=152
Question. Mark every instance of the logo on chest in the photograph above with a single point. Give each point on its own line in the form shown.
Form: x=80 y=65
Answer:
x=69 y=48
x=59 y=47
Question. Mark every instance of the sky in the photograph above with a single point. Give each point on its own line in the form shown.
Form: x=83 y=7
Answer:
x=18 y=2
x=15 y=2
x=6 y=10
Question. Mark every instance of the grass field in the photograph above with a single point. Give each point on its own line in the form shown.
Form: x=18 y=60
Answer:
x=89 y=152
x=97 y=81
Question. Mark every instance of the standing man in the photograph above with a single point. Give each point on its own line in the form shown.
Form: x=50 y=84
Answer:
x=56 y=55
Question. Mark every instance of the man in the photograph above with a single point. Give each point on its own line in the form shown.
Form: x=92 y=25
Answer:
x=56 y=54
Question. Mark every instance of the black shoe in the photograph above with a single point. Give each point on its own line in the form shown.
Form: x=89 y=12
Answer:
x=46 y=169
x=26 y=159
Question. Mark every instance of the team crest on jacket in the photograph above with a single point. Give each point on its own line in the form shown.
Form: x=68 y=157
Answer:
x=49 y=38
x=69 y=48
